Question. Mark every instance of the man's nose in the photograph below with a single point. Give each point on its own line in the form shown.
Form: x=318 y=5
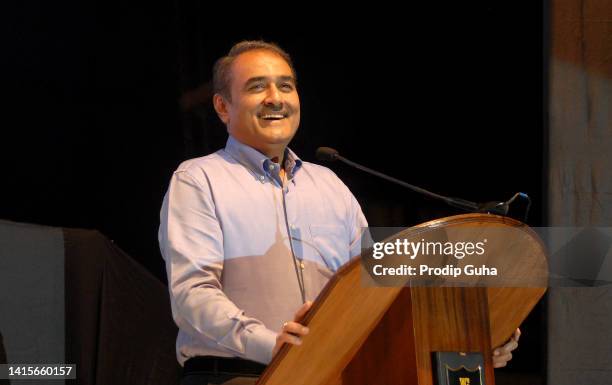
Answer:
x=273 y=97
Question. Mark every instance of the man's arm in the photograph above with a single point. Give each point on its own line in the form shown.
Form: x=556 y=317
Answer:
x=355 y=220
x=191 y=242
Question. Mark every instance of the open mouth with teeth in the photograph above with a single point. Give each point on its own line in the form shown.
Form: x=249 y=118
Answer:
x=271 y=117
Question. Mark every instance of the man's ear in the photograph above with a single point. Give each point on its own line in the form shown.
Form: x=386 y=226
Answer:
x=220 y=105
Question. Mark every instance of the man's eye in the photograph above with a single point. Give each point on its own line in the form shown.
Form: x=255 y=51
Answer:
x=287 y=87
x=256 y=87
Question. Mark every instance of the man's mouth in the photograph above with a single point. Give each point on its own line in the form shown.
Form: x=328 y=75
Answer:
x=273 y=116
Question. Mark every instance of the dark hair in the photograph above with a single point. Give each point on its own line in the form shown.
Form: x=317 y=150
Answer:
x=222 y=72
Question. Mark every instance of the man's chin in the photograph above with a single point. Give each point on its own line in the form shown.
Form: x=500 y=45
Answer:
x=276 y=137
x=278 y=140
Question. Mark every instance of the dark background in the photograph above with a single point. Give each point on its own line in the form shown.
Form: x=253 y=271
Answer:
x=102 y=101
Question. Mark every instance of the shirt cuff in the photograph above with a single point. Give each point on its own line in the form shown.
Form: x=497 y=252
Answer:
x=259 y=345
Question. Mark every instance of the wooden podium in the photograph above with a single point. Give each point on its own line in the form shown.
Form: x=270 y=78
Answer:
x=366 y=335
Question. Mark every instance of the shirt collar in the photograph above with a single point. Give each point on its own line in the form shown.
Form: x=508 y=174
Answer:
x=258 y=163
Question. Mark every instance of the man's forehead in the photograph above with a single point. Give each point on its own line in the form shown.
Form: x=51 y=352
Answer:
x=260 y=64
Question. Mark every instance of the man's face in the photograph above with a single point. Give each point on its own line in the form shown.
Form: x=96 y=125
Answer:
x=264 y=111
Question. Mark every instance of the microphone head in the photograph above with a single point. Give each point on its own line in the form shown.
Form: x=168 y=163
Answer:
x=326 y=154
x=499 y=208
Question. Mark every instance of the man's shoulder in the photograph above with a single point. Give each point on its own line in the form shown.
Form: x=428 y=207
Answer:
x=321 y=172
x=316 y=168
x=201 y=164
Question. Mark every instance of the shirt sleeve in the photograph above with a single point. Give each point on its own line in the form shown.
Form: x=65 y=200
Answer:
x=191 y=242
x=358 y=226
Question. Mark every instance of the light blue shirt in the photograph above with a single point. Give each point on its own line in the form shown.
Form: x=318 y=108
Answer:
x=224 y=235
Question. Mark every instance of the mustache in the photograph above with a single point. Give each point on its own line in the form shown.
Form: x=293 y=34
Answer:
x=283 y=109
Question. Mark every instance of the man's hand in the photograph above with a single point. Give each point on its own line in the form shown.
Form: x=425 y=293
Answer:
x=292 y=332
x=503 y=354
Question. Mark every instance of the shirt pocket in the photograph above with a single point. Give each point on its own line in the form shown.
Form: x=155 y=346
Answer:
x=331 y=244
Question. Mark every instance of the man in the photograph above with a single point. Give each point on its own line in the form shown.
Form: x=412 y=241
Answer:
x=251 y=234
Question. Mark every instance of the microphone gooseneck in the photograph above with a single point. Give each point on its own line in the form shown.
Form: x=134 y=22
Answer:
x=500 y=208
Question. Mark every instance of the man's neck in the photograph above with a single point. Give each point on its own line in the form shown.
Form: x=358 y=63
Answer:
x=279 y=159
x=276 y=155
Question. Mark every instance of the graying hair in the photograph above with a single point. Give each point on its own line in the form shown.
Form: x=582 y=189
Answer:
x=222 y=69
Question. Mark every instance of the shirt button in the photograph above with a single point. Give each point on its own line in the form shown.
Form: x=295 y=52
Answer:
x=261 y=178
x=292 y=227
x=271 y=167
x=302 y=265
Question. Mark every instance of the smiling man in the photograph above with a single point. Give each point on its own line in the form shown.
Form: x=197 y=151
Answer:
x=251 y=234
x=257 y=100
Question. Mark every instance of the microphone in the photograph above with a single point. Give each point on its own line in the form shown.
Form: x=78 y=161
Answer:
x=500 y=208
x=326 y=154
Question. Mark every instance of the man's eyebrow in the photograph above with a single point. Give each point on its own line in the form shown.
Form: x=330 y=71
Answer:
x=287 y=79
x=265 y=78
